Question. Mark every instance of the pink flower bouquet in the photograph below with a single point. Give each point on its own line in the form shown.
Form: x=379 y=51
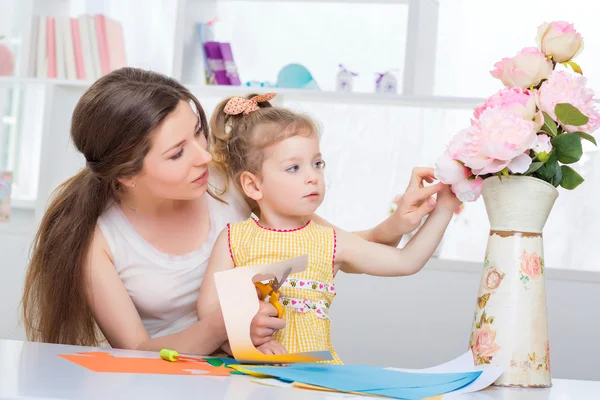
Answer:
x=534 y=126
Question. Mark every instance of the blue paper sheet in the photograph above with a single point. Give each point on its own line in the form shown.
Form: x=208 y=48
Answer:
x=354 y=378
x=419 y=393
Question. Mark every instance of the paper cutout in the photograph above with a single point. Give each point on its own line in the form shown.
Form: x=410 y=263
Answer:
x=372 y=380
x=239 y=305
x=105 y=362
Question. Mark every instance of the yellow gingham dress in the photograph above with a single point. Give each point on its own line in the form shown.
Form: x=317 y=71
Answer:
x=306 y=296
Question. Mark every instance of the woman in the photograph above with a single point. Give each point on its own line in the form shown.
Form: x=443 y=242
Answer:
x=124 y=243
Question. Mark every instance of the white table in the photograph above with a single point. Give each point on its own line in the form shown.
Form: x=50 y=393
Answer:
x=34 y=371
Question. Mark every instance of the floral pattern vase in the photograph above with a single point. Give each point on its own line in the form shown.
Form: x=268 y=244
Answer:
x=510 y=327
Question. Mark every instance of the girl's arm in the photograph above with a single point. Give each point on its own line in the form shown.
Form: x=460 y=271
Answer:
x=119 y=320
x=416 y=202
x=263 y=325
x=357 y=256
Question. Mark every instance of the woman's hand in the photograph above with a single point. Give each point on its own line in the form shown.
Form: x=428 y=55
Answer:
x=272 y=347
x=417 y=201
x=264 y=324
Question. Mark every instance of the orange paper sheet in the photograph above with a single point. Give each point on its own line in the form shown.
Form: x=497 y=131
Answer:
x=105 y=362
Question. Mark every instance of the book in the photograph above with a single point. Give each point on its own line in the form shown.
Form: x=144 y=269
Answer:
x=6 y=179
x=230 y=67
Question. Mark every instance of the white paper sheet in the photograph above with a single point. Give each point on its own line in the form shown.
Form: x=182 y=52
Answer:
x=463 y=363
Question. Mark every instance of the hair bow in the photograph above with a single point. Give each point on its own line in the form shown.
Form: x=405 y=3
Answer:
x=237 y=105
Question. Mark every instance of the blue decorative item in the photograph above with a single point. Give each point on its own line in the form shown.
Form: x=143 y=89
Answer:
x=296 y=76
x=261 y=84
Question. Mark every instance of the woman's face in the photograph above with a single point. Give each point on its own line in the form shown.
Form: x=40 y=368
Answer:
x=176 y=167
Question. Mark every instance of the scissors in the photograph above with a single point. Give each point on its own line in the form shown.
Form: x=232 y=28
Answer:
x=272 y=289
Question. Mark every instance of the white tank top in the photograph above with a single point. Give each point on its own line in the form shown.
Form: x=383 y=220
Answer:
x=164 y=288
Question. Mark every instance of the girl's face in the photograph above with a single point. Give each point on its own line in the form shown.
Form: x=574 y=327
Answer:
x=291 y=181
x=176 y=167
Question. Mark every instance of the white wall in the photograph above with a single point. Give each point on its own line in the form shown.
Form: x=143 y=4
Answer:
x=411 y=322
x=425 y=319
x=15 y=241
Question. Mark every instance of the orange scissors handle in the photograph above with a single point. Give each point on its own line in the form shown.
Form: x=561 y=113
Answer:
x=266 y=290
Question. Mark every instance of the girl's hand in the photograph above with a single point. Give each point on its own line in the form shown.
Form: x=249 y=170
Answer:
x=417 y=201
x=264 y=324
x=272 y=347
x=447 y=200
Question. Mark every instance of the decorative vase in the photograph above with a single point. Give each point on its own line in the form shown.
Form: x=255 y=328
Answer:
x=510 y=327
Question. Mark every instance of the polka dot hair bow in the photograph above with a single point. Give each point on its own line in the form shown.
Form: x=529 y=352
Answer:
x=237 y=105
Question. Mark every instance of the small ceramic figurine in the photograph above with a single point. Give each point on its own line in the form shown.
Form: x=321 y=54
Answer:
x=386 y=83
x=344 y=80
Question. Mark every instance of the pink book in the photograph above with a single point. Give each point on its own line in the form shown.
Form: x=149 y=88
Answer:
x=116 y=44
x=77 y=49
x=51 y=47
x=100 y=22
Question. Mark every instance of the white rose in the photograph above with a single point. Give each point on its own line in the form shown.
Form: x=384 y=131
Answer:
x=560 y=40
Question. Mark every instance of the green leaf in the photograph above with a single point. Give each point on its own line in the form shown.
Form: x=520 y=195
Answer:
x=567 y=147
x=587 y=137
x=571 y=179
x=556 y=179
x=547 y=171
x=549 y=125
x=570 y=115
x=534 y=167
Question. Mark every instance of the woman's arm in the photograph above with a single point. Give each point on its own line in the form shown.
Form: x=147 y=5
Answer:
x=415 y=204
x=355 y=255
x=119 y=320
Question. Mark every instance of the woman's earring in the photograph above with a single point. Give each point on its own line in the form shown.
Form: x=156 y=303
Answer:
x=133 y=185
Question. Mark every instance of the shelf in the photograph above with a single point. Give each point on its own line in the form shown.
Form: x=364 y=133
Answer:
x=342 y=98
x=10 y=40
x=289 y=94
x=13 y=81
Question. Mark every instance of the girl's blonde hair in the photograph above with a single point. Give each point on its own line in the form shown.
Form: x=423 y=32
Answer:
x=237 y=141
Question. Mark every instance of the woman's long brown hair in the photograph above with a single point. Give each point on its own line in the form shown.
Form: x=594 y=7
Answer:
x=111 y=126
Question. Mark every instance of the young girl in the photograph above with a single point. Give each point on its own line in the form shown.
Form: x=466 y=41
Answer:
x=273 y=156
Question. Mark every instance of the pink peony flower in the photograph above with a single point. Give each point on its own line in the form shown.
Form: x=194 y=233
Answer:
x=450 y=171
x=564 y=87
x=560 y=40
x=484 y=342
x=531 y=265
x=543 y=144
x=468 y=189
x=494 y=140
x=526 y=69
x=517 y=100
